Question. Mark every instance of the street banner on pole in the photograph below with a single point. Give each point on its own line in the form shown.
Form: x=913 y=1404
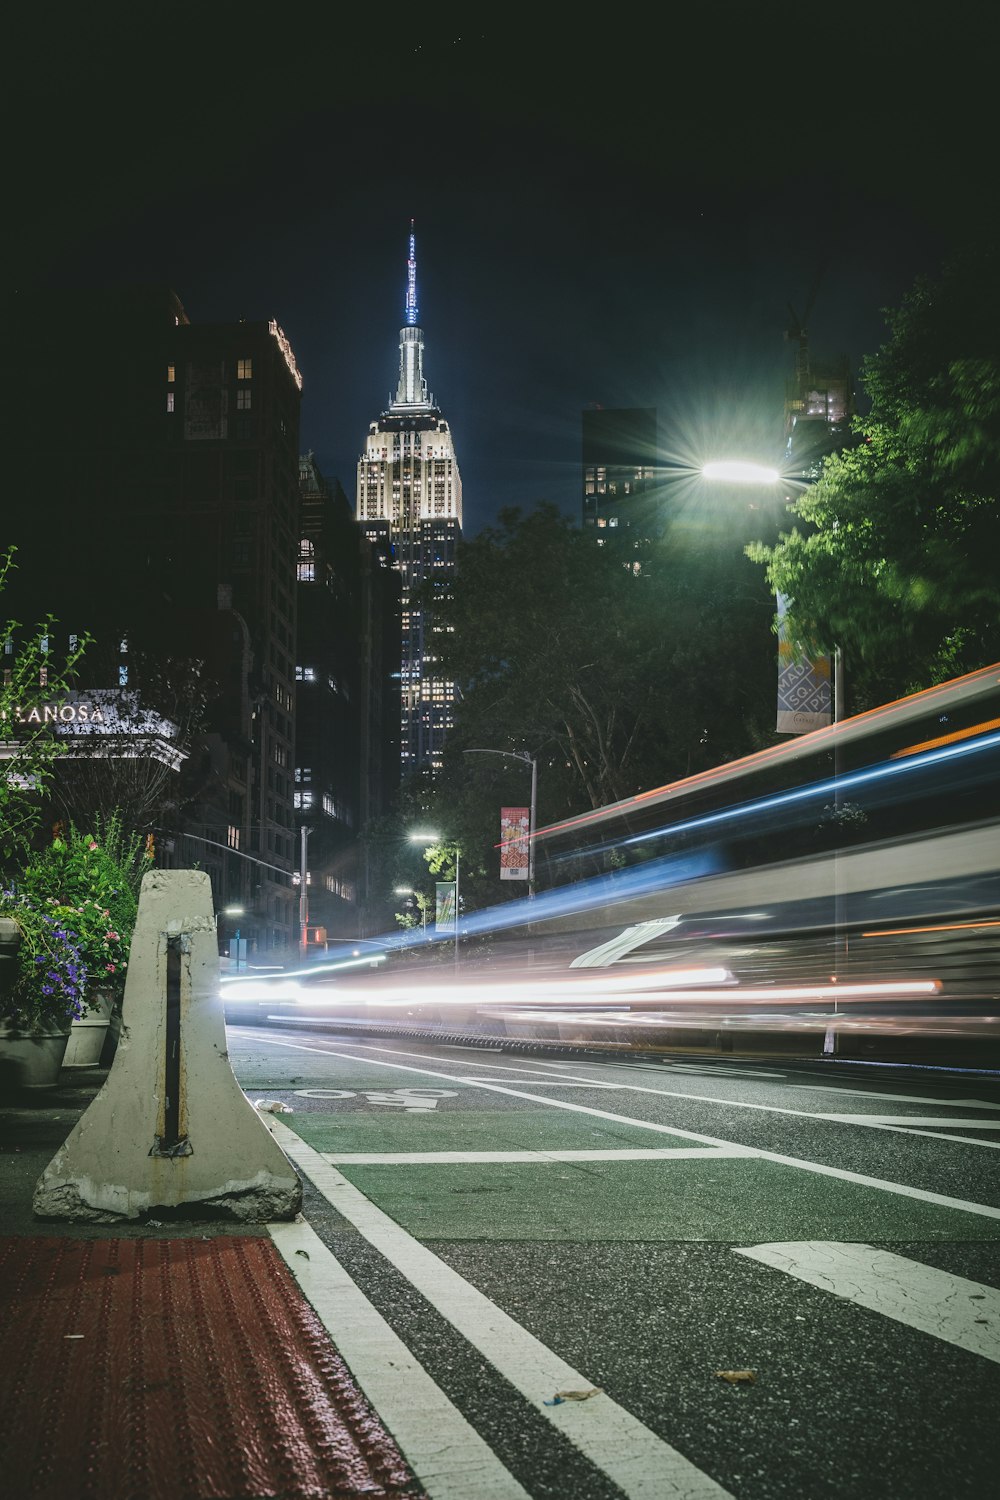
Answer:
x=804 y=698
x=515 y=826
x=444 y=910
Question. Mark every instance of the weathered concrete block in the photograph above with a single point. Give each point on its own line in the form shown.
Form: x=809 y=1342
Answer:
x=171 y=1126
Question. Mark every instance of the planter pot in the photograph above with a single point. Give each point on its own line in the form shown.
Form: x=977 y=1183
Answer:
x=33 y=1058
x=88 y=1035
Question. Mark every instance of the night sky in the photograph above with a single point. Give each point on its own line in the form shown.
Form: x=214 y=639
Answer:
x=617 y=216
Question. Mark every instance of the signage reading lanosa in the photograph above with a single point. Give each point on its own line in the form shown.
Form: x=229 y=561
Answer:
x=55 y=713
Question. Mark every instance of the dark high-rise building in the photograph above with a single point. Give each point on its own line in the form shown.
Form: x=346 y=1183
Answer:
x=620 y=457
x=409 y=495
x=170 y=531
x=819 y=404
x=347 y=699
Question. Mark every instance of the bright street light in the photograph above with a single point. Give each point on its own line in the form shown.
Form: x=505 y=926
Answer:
x=738 y=471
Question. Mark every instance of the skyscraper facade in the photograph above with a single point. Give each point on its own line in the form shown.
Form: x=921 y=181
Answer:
x=409 y=495
x=620 y=457
x=170 y=533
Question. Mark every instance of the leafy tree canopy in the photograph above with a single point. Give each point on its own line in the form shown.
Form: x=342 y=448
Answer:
x=897 y=559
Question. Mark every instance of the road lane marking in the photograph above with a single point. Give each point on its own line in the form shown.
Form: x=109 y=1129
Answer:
x=922 y=1120
x=642 y=1465
x=949 y=1307
x=829 y=1088
x=555 y=1083
x=935 y=1135
x=984 y=1210
x=460 y=1158
x=446 y=1453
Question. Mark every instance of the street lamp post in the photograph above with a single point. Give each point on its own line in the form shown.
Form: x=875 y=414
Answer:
x=304 y=893
x=427 y=839
x=740 y=472
x=528 y=759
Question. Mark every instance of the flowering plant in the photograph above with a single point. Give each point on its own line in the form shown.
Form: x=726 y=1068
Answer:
x=88 y=884
x=50 y=976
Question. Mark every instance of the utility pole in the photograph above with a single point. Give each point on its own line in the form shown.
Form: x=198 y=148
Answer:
x=529 y=759
x=304 y=893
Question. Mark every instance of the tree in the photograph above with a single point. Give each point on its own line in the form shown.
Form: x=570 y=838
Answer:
x=897 y=559
x=32 y=678
x=623 y=666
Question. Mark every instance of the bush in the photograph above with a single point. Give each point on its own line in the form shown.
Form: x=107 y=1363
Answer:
x=89 y=883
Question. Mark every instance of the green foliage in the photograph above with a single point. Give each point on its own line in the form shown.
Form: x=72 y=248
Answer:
x=90 y=883
x=896 y=561
x=50 y=971
x=33 y=676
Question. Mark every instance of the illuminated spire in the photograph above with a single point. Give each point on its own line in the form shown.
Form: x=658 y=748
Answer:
x=411 y=391
x=411 y=282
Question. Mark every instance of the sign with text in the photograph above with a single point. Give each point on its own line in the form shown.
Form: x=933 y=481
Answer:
x=515 y=829
x=444 y=909
x=804 y=697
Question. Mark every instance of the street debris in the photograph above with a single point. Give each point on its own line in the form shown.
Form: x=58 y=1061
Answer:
x=304 y=1253
x=738 y=1377
x=561 y=1396
x=273 y=1107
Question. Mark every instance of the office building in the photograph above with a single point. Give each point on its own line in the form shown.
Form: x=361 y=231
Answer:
x=409 y=498
x=347 y=701
x=620 y=476
x=170 y=530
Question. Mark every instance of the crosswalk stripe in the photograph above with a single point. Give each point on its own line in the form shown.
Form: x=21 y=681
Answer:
x=642 y=1465
x=948 y=1307
x=445 y=1452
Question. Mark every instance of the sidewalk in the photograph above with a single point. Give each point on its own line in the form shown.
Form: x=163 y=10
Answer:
x=165 y=1361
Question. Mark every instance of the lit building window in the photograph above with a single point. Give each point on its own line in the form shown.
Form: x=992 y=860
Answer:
x=233 y=837
x=244 y=369
x=170 y=401
x=305 y=674
x=303 y=799
x=171 y=374
x=123 y=676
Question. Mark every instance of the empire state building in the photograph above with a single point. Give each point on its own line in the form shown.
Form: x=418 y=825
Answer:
x=410 y=494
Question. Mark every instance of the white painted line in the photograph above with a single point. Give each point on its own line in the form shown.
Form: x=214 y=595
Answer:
x=553 y=1083
x=635 y=1459
x=922 y=1120
x=935 y=1135
x=829 y=1088
x=984 y=1210
x=445 y=1452
x=460 y=1158
x=948 y=1307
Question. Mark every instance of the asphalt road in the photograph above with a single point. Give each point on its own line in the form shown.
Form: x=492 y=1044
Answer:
x=651 y=1279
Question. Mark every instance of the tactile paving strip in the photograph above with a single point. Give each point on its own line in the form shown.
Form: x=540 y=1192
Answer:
x=137 y=1369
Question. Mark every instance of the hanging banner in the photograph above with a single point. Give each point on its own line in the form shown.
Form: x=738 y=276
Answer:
x=444 y=908
x=515 y=827
x=804 y=697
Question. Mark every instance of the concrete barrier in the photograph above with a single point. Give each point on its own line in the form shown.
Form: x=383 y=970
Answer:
x=171 y=1129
